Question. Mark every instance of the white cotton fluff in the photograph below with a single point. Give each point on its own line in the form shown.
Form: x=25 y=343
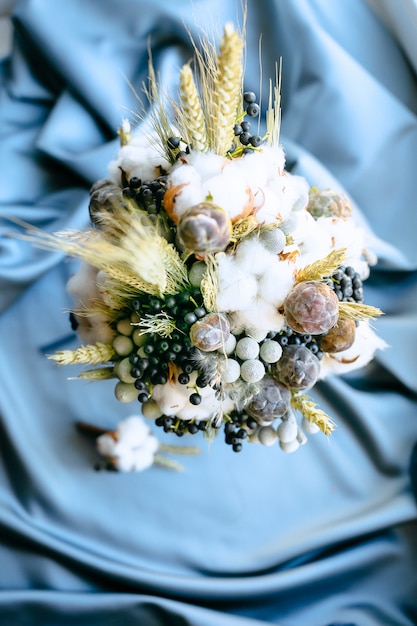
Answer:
x=227 y=190
x=261 y=167
x=170 y=397
x=267 y=206
x=257 y=320
x=173 y=399
x=253 y=168
x=138 y=158
x=208 y=164
x=346 y=234
x=252 y=257
x=237 y=289
x=283 y=200
x=133 y=448
x=313 y=242
x=298 y=189
x=276 y=282
x=191 y=193
x=358 y=355
x=82 y=286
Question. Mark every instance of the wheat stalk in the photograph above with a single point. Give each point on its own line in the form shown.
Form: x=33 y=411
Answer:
x=322 y=268
x=358 y=311
x=90 y=354
x=312 y=413
x=192 y=111
x=101 y=373
x=210 y=284
x=226 y=90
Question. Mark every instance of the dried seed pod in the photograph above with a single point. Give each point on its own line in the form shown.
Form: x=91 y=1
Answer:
x=340 y=337
x=270 y=402
x=297 y=369
x=104 y=195
x=210 y=332
x=204 y=229
x=311 y=308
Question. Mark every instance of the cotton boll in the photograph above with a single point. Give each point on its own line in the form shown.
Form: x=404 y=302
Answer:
x=191 y=193
x=253 y=168
x=267 y=206
x=170 y=398
x=344 y=233
x=297 y=189
x=237 y=289
x=358 y=355
x=134 y=429
x=313 y=242
x=105 y=444
x=208 y=407
x=259 y=319
x=276 y=282
x=228 y=191
x=82 y=285
x=289 y=224
x=252 y=257
x=207 y=164
x=133 y=446
x=138 y=158
x=261 y=167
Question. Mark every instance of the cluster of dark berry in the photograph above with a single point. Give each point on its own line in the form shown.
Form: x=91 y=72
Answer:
x=174 y=145
x=148 y=195
x=234 y=430
x=150 y=362
x=289 y=337
x=180 y=427
x=242 y=130
x=347 y=284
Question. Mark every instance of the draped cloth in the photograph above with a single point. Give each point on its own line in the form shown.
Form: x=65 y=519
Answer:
x=324 y=536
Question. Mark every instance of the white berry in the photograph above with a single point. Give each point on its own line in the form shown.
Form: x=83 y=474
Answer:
x=247 y=348
x=230 y=370
x=267 y=435
x=270 y=351
x=290 y=446
x=287 y=431
x=252 y=371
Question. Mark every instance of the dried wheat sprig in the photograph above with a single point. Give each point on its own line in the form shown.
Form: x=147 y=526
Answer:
x=322 y=268
x=93 y=354
x=358 y=311
x=187 y=450
x=273 y=113
x=101 y=373
x=312 y=413
x=210 y=284
x=163 y=461
x=226 y=89
x=158 y=110
x=192 y=111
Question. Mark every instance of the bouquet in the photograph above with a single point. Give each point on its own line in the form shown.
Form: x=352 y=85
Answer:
x=216 y=288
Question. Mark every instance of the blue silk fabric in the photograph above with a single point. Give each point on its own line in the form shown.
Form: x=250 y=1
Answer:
x=322 y=537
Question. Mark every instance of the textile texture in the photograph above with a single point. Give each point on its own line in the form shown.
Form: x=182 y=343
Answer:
x=322 y=537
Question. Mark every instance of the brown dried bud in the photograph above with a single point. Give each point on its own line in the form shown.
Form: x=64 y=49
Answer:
x=311 y=308
x=340 y=337
x=210 y=332
x=327 y=203
x=104 y=196
x=204 y=229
